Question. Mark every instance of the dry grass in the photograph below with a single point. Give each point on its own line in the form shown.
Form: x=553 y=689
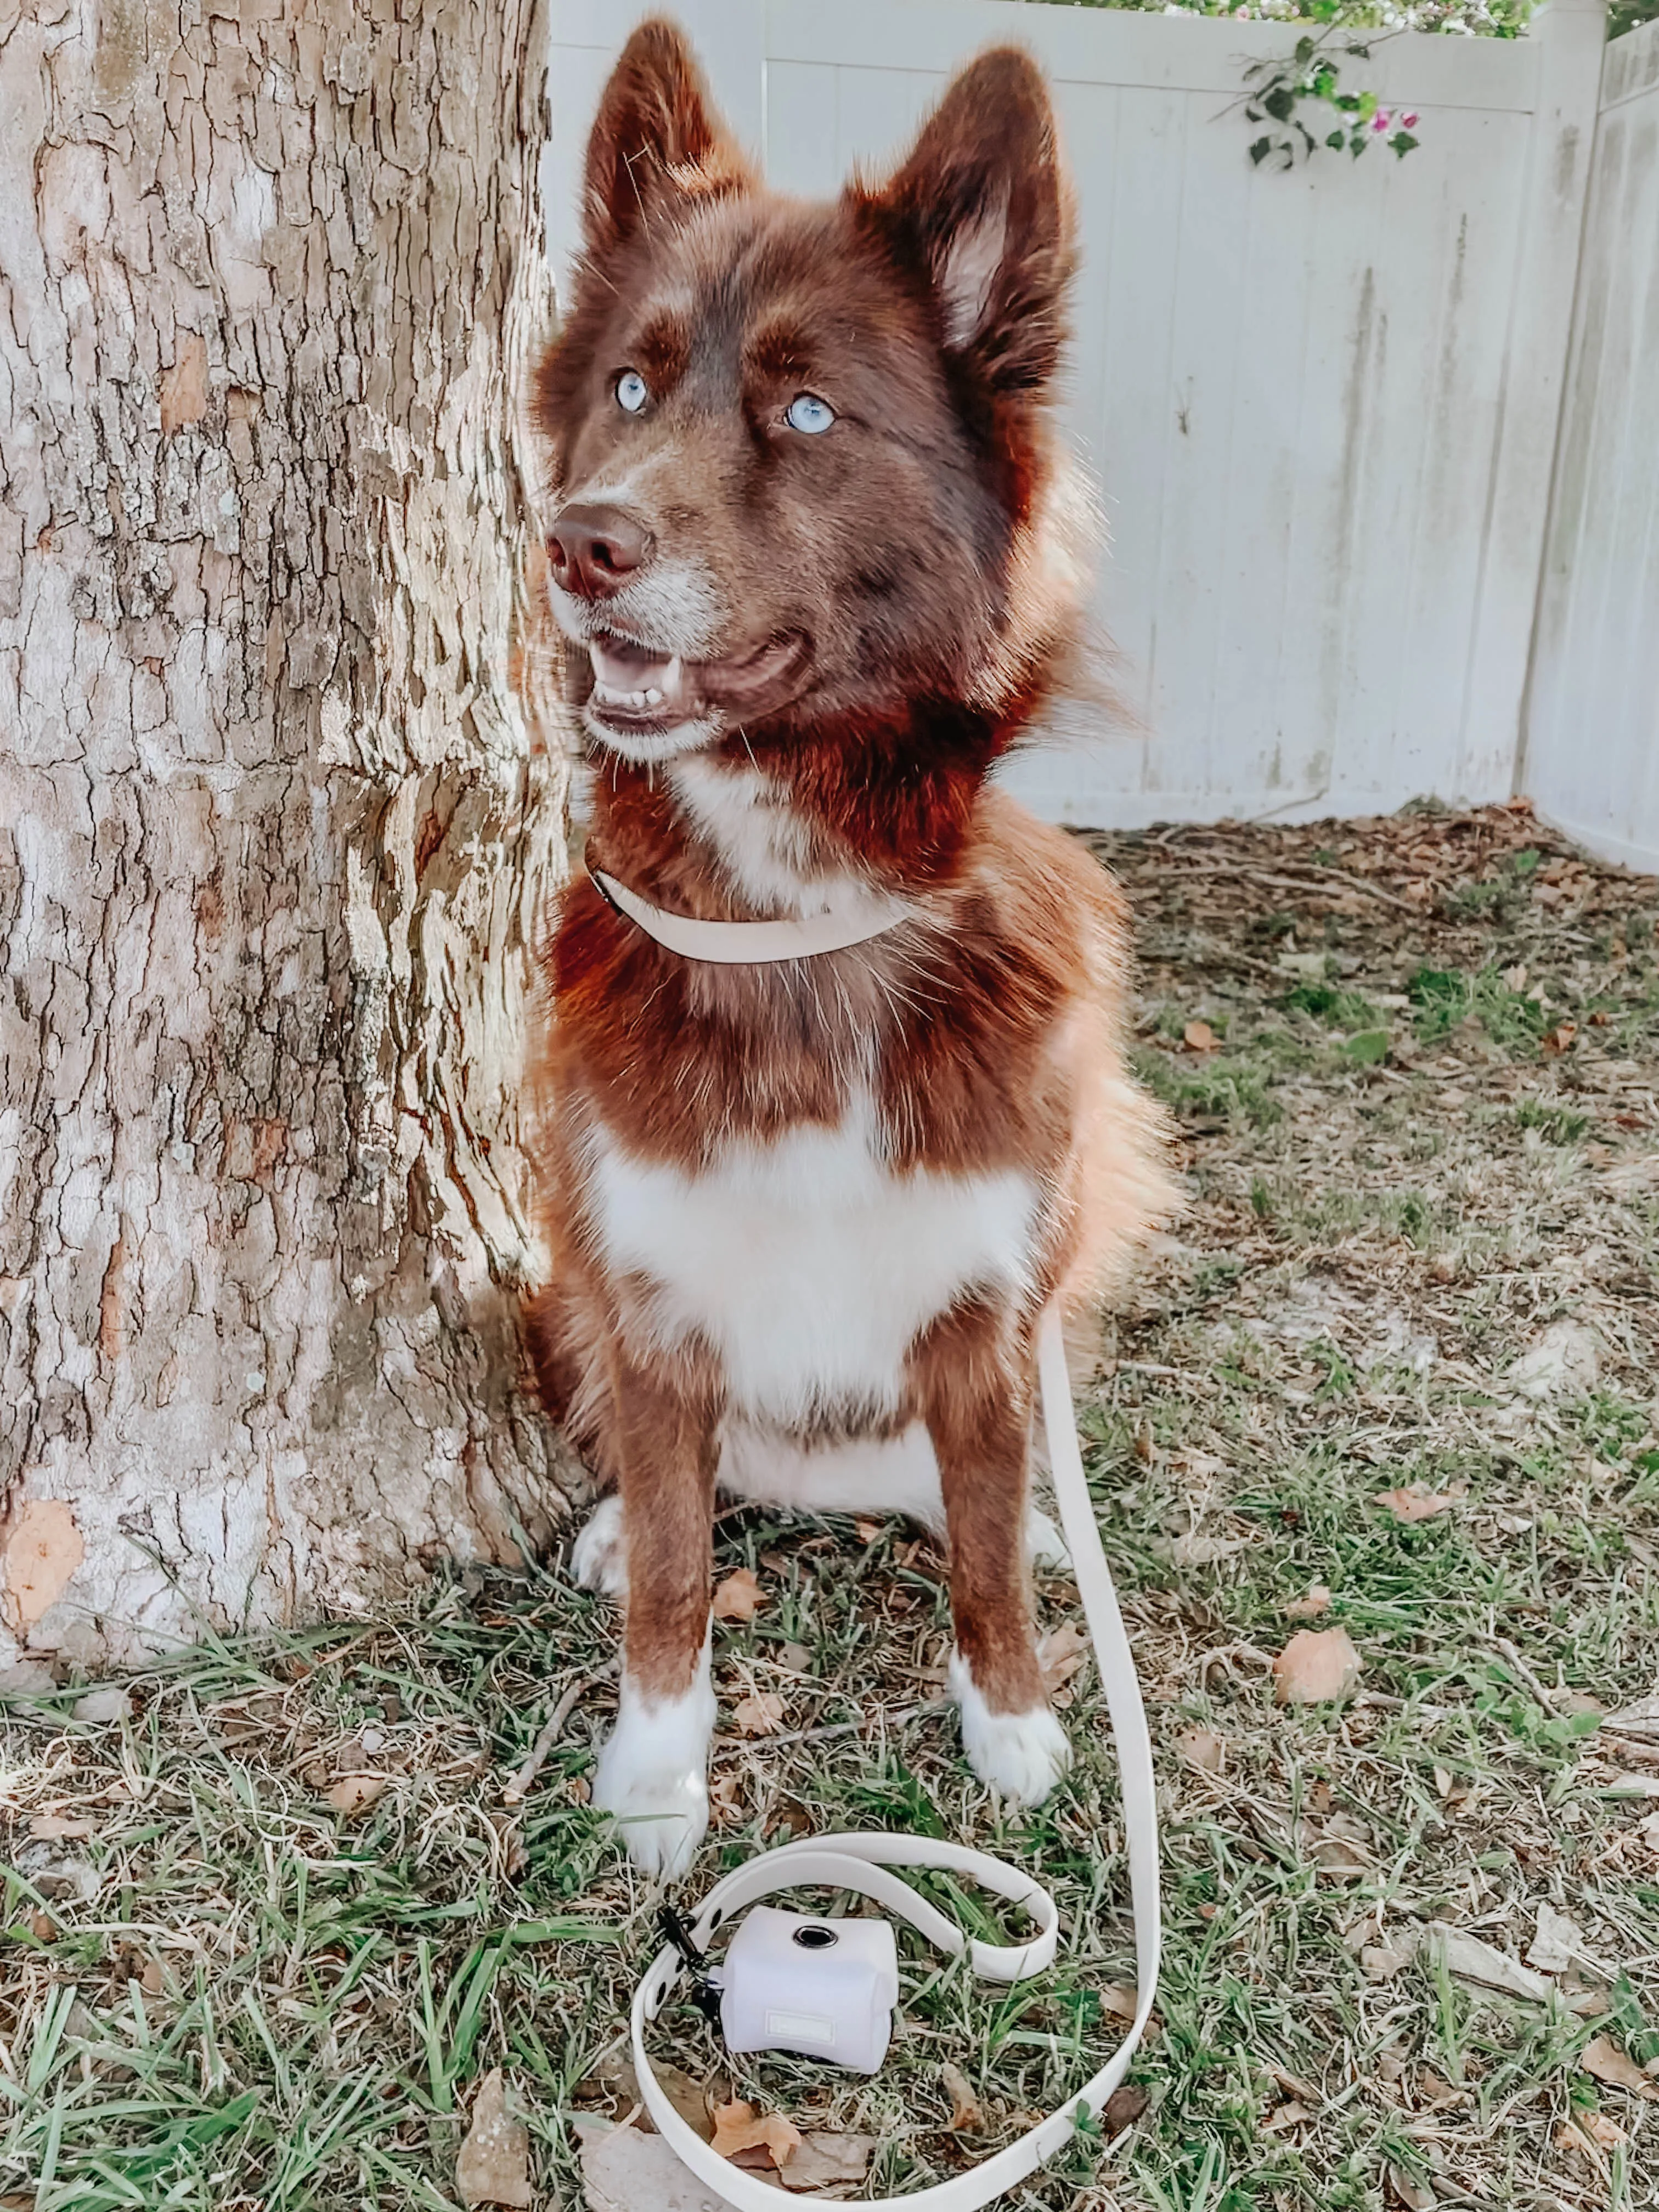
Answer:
x=217 y=1990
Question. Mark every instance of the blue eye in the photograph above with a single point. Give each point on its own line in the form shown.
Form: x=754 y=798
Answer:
x=631 y=393
x=807 y=412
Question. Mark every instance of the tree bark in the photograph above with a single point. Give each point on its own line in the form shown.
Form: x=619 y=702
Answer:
x=276 y=837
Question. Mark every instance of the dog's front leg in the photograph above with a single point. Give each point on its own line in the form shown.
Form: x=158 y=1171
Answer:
x=972 y=1377
x=652 y=1774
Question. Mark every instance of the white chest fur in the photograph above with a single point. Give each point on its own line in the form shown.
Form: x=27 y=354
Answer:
x=809 y=1264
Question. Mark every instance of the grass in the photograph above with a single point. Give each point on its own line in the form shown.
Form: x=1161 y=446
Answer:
x=218 y=1989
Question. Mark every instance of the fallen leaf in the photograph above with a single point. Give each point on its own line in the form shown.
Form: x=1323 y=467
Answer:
x=1192 y=1549
x=740 y=2126
x=152 y=1981
x=101 y=1706
x=868 y=1529
x=493 y=2166
x=1338 y=1857
x=1318 y=1665
x=1291 y=2114
x=1310 y=965
x=739 y=1597
x=1602 y=2058
x=1558 y=1942
x=1605 y=2133
x=1203 y=1749
x=1123 y=2108
x=828 y=2163
x=1380 y=1962
x=54 y=1826
x=354 y=1793
x=1318 y=1601
x=1413 y=1504
x=1559 y=1039
x=1199 y=1036
x=1639 y=1721
x=685 y=2095
x=43 y=1928
x=966 y=2111
x=1472 y=1961
x=1415 y=2196
x=1437 y=2095
x=759 y=1714
x=1060 y=1653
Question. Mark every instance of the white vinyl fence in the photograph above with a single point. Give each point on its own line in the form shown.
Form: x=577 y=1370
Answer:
x=1321 y=407
x=1592 y=737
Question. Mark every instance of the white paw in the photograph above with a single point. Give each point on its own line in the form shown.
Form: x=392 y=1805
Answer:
x=1045 y=1547
x=1019 y=1755
x=650 y=1776
x=598 y=1558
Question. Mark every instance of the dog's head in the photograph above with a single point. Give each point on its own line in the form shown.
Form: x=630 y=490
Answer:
x=800 y=452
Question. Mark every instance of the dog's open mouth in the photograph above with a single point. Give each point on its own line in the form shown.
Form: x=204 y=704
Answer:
x=636 y=692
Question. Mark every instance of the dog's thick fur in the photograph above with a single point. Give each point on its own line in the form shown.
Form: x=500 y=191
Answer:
x=805 y=1218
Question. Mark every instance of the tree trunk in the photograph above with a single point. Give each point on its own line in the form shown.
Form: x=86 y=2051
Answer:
x=276 y=837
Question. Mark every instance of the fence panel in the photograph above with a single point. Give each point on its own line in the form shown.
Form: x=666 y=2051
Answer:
x=1592 y=745
x=1320 y=406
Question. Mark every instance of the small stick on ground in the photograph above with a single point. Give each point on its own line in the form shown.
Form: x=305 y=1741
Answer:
x=518 y=1787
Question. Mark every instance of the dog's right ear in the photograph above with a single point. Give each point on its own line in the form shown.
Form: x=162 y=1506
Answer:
x=656 y=138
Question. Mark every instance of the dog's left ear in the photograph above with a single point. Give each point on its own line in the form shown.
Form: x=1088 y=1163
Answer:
x=981 y=205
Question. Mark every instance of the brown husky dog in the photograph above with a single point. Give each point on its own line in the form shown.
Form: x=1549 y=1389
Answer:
x=808 y=549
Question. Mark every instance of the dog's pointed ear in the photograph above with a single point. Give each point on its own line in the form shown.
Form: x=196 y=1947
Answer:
x=981 y=206
x=657 y=135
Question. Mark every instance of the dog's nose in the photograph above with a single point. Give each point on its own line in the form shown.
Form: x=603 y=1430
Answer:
x=594 y=550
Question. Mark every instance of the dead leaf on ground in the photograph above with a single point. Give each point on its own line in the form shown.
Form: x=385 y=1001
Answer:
x=1203 y=1749
x=354 y=1793
x=52 y=1826
x=493 y=2164
x=1309 y=1608
x=966 y=2111
x=1318 y=1665
x=1558 y=1944
x=740 y=2126
x=739 y=1597
x=868 y=1529
x=1199 y=1036
x=1474 y=1961
x=1123 y=2108
x=1415 y=1504
x=1060 y=1653
x=1415 y=2196
x=829 y=2163
x=759 y=1714
x=1602 y=2058
x=1589 y=2132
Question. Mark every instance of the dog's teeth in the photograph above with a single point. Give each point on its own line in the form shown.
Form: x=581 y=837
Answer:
x=653 y=697
x=670 y=681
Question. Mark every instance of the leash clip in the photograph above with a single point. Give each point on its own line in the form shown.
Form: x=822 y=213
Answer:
x=677 y=1930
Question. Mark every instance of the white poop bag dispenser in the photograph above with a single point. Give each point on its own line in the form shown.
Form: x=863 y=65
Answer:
x=783 y=1986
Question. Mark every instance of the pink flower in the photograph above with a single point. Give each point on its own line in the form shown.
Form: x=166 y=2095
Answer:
x=1409 y=122
x=1380 y=120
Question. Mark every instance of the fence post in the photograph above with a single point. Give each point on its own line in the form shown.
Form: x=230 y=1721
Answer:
x=1571 y=36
